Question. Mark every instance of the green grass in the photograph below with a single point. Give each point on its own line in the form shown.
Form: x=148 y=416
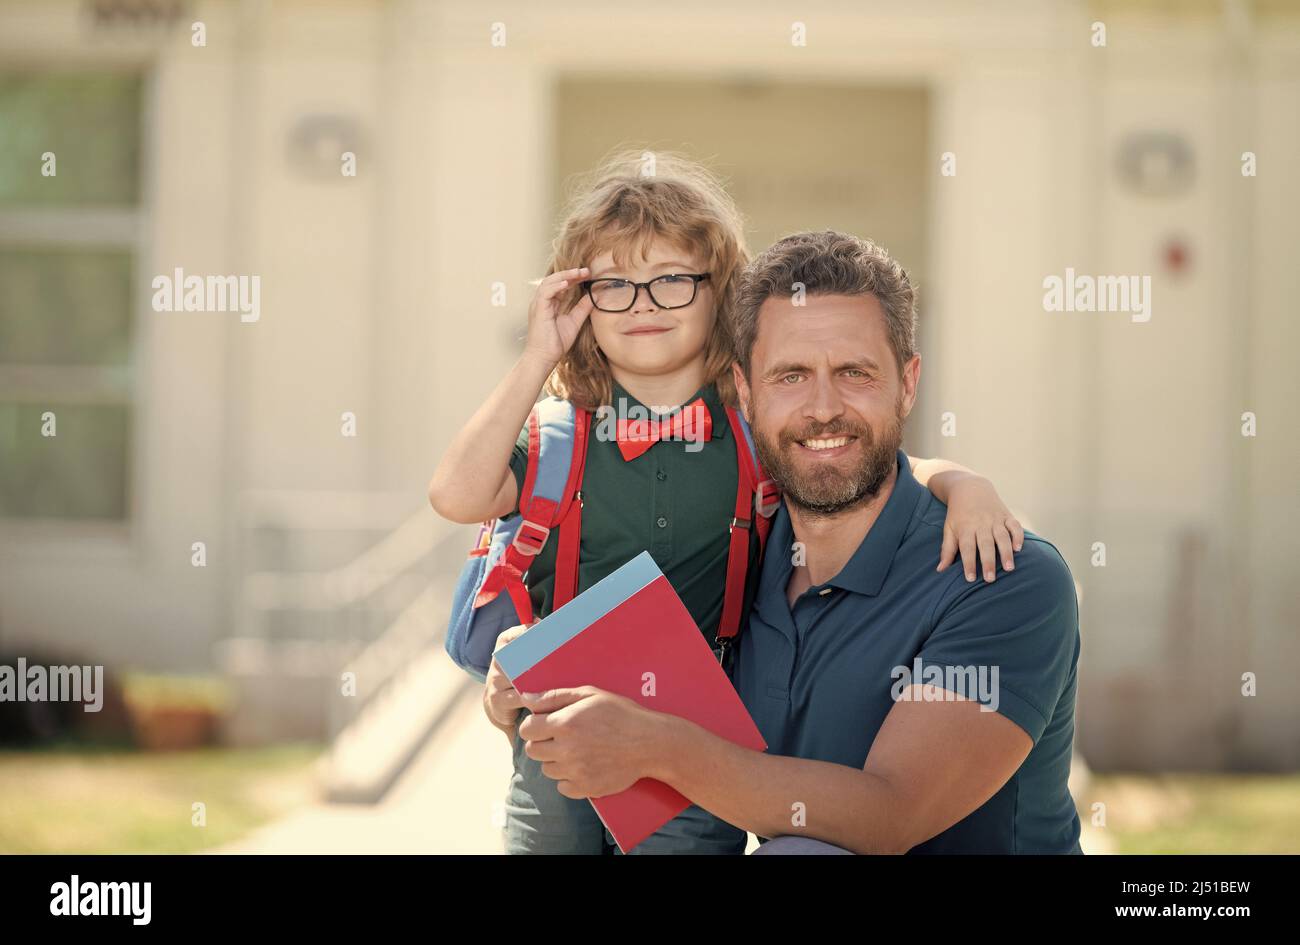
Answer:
x=1200 y=813
x=115 y=800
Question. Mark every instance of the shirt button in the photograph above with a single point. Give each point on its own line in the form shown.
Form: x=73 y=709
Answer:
x=825 y=590
x=661 y=475
x=661 y=522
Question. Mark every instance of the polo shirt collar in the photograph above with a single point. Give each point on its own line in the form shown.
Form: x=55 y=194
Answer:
x=866 y=570
x=711 y=400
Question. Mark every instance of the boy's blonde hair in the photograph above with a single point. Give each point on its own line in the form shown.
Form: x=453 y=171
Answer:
x=631 y=199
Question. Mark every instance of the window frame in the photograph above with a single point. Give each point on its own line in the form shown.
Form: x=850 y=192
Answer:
x=120 y=227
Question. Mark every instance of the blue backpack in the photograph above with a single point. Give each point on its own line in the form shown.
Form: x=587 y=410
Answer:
x=492 y=595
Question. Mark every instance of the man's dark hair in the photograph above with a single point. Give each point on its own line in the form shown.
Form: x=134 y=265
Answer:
x=826 y=263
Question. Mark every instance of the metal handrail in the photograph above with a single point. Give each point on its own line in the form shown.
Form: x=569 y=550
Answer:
x=394 y=555
x=417 y=627
x=341 y=595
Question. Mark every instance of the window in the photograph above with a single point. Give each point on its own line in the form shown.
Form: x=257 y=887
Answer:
x=68 y=258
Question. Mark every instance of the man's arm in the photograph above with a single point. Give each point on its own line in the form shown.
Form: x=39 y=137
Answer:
x=931 y=764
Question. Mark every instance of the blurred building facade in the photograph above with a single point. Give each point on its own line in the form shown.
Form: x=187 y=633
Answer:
x=378 y=290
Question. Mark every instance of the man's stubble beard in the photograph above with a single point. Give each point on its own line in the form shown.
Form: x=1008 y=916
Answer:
x=829 y=491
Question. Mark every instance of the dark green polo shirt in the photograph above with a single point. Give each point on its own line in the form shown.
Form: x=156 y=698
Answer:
x=673 y=502
x=819 y=677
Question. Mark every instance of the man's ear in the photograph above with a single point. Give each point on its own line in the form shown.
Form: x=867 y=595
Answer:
x=742 y=391
x=911 y=377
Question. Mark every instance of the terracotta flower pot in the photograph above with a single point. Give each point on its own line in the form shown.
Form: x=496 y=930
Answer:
x=168 y=728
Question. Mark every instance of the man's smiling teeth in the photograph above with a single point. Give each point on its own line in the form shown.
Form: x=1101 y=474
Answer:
x=825 y=444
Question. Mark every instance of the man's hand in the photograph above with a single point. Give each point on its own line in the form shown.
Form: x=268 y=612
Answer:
x=501 y=702
x=591 y=742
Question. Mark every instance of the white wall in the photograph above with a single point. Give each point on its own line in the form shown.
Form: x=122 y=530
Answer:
x=376 y=300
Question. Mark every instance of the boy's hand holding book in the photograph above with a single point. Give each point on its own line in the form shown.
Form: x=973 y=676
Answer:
x=501 y=701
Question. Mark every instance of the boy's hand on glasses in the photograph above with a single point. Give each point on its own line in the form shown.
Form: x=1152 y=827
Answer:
x=501 y=701
x=551 y=331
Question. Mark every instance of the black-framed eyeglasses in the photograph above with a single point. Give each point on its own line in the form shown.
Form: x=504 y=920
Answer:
x=673 y=290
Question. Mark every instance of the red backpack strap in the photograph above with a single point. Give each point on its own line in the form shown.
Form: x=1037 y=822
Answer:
x=566 y=554
x=756 y=499
x=767 y=497
x=539 y=515
x=508 y=575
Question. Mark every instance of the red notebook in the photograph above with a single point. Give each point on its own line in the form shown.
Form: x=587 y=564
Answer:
x=631 y=634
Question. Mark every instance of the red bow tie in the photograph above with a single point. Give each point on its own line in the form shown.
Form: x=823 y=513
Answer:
x=693 y=423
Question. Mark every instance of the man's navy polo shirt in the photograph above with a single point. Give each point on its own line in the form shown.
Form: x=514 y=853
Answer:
x=818 y=678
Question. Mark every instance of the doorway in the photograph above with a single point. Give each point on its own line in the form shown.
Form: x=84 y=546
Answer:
x=795 y=155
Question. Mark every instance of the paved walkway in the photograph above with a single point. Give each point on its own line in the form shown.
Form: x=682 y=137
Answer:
x=449 y=801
